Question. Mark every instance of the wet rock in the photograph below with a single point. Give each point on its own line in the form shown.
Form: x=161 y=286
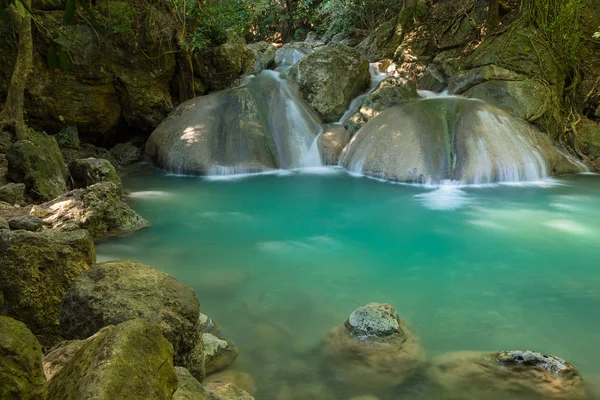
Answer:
x=218 y=353
x=506 y=374
x=26 y=223
x=330 y=78
x=126 y=153
x=21 y=374
x=265 y=56
x=432 y=79
x=132 y=360
x=208 y=325
x=194 y=359
x=13 y=193
x=225 y=391
x=38 y=163
x=190 y=389
x=354 y=123
x=383 y=42
x=465 y=80
x=332 y=141
x=4 y=226
x=37 y=270
x=243 y=380
x=117 y=291
x=305 y=390
x=98 y=208
x=373 y=350
x=89 y=171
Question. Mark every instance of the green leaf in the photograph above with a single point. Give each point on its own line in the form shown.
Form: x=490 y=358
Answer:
x=70 y=11
x=63 y=60
x=61 y=40
x=20 y=8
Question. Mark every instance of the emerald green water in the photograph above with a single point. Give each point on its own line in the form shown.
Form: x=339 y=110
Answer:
x=278 y=260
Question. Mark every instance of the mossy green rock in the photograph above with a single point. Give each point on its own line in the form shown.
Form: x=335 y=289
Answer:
x=130 y=361
x=588 y=134
x=219 y=353
x=117 y=291
x=383 y=42
x=21 y=374
x=13 y=193
x=330 y=78
x=190 y=389
x=38 y=163
x=36 y=270
x=98 y=208
x=88 y=171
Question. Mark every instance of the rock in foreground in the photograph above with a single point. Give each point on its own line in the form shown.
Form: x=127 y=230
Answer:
x=88 y=171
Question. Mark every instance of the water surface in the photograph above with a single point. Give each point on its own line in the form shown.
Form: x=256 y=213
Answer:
x=278 y=260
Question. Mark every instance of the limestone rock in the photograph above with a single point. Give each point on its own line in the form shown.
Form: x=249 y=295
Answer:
x=243 y=380
x=132 y=360
x=355 y=122
x=383 y=42
x=37 y=270
x=13 y=193
x=225 y=391
x=38 y=163
x=98 y=208
x=117 y=291
x=21 y=374
x=331 y=143
x=126 y=153
x=373 y=350
x=218 y=353
x=465 y=80
x=88 y=171
x=330 y=78
x=265 y=56
x=208 y=325
x=26 y=223
x=588 y=134
x=194 y=359
x=190 y=389
x=506 y=374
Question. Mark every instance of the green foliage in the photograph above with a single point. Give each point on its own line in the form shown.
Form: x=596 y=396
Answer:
x=117 y=16
x=342 y=15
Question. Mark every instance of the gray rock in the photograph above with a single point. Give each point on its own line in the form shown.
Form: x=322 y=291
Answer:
x=26 y=223
x=330 y=78
x=13 y=193
x=218 y=353
x=374 y=319
x=4 y=226
x=190 y=389
x=88 y=171
x=37 y=270
x=21 y=374
x=465 y=80
x=354 y=123
x=332 y=141
x=38 y=163
x=130 y=361
x=117 y=291
x=433 y=79
x=265 y=56
x=126 y=153
x=98 y=208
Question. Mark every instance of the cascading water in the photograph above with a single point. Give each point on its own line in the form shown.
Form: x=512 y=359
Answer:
x=376 y=78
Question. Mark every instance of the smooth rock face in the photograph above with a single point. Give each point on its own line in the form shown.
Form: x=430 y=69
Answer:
x=13 y=193
x=130 y=361
x=373 y=350
x=98 y=208
x=330 y=78
x=38 y=163
x=506 y=374
x=218 y=353
x=37 y=270
x=452 y=138
x=117 y=291
x=331 y=143
x=88 y=171
x=26 y=223
x=21 y=374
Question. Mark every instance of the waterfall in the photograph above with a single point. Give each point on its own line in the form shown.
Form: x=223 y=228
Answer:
x=376 y=78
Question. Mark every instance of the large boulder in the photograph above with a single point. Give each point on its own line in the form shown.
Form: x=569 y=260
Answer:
x=98 y=208
x=13 y=193
x=37 y=270
x=331 y=143
x=130 y=361
x=373 y=350
x=330 y=78
x=220 y=67
x=88 y=171
x=117 y=291
x=21 y=373
x=452 y=138
x=38 y=163
x=506 y=374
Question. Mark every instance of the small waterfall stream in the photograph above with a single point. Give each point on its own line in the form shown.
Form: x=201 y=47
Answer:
x=376 y=78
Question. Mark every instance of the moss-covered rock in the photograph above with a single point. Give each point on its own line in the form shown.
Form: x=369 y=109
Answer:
x=88 y=171
x=265 y=56
x=21 y=374
x=126 y=153
x=113 y=292
x=330 y=78
x=189 y=388
x=588 y=134
x=4 y=226
x=26 y=223
x=383 y=42
x=98 y=208
x=87 y=150
x=13 y=193
x=37 y=270
x=219 y=353
x=243 y=380
x=130 y=361
x=38 y=163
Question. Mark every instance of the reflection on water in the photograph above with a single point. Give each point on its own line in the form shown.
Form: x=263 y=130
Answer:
x=280 y=260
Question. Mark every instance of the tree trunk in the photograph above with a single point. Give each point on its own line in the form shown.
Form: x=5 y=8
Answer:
x=488 y=11
x=11 y=117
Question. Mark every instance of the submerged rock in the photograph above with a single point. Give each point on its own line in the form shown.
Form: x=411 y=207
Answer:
x=218 y=353
x=88 y=171
x=373 y=350
x=243 y=380
x=113 y=292
x=190 y=389
x=506 y=374
x=330 y=78
x=452 y=138
x=37 y=270
x=98 y=208
x=38 y=163
x=21 y=374
x=332 y=141
x=130 y=361
x=225 y=391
